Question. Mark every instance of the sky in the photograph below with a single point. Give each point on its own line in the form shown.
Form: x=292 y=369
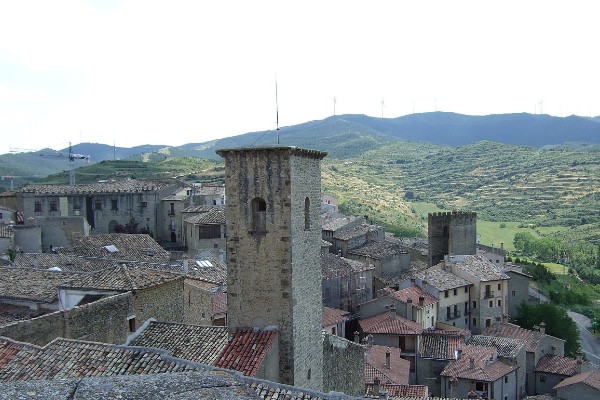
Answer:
x=173 y=72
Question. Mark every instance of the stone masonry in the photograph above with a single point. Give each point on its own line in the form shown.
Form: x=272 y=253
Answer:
x=274 y=276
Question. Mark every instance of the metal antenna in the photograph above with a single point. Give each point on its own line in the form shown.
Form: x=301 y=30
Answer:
x=382 y=104
x=334 y=106
x=277 y=111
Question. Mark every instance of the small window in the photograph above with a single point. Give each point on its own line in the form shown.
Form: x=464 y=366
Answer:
x=307 y=214
x=172 y=209
x=98 y=205
x=474 y=321
x=514 y=293
x=542 y=378
x=499 y=303
x=114 y=205
x=506 y=379
x=446 y=293
x=259 y=215
x=499 y=286
x=466 y=289
x=474 y=304
x=308 y=374
x=491 y=303
x=143 y=204
x=454 y=292
x=38 y=206
x=53 y=205
x=488 y=322
x=131 y=322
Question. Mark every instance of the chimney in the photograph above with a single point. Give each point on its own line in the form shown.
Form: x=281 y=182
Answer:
x=356 y=337
x=542 y=328
x=471 y=363
x=457 y=353
x=409 y=309
x=579 y=359
x=186 y=266
x=376 y=386
x=388 y=359
x=392 y=312
x=421 y=301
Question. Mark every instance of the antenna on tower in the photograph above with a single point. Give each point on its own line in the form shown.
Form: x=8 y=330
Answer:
x=277 y=110
x=382 y=105
x=334 y=106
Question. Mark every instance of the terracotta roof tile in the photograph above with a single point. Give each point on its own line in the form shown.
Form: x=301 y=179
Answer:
x=590 y=378
x=332 y=316
x=246 y=350
x=413 y=293
x=384 y=324
x=123 y=186
x=506 y=347
x=505 y=329
x=478 y=363
x=411 y=392
x=442 y=279
x=212 y=215
x=196 y=343
x=440 y=346
x=120 y=279
x=479 y=267
x=397 y=372
x=552 y=364
x=31 y=284
x=355 y=232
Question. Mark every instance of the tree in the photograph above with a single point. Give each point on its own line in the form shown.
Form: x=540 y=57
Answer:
x=131 y=227
x=558 y=323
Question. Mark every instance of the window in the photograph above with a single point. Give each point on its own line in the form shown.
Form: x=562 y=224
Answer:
x=466 y=307
x=38 y=206
x=143 y=204
x=308 y=374
x=491 y=303
x=172 y=209
x=454 y=292
x=209 y=232
x=53 y=205
x=306 y=213
x=542 y=378
x=466 y=289
x=514 y=293
x=474 y=304
x=445 y=293
x=131 y=322
x=499 y=303
x=488 y=322
x=506 y=379
x=448 y=314
x=98 y=205
x=0 y=215
x=114 y=205
x=474 y=321
x=259 y=215
x=499 y=286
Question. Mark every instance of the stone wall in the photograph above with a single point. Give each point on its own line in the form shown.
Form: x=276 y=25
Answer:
x=104 y=321
x=344 y=366
x=161 y=302
x=197 y=308
x=451 y=233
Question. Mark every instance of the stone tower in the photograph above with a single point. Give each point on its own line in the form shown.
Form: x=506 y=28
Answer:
x=451 y=233
x=274 y=238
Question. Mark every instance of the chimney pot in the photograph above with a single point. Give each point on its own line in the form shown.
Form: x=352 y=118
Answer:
x=392 y=312
x=472 y=363
x=388 y=359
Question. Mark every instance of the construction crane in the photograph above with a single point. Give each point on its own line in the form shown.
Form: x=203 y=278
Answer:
x=72 y=157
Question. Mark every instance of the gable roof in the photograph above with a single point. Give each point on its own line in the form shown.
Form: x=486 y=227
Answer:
x=441 y=279
x=477 y=363
x=385 y=324
x=122 y=186
x=197 y=343
x=246 y=350
x=379 y=250
x=66 y=358
x=31 y=285
x=120 y=278
x=480 y=268
x=411 y=392
x=506 y=329
x=414 y=293
x=397 y=372
x=506 y=347
x=440 y=345
x=553 y=364
x=118 y=246
x=335 y=266
x=66 y=263
x=211 y=216
x=590 y=378
x=332 y=316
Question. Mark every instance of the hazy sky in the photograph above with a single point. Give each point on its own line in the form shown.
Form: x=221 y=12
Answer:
x=175 y=72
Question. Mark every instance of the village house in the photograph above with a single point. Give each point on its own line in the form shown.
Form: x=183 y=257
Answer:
x=204 y=231
x=477 y=372
x=6 y=239
x=356 y=237
x=346 y=283
x=388 y=258
x=331 y=226
x=208 y=194
x=170 y=230
x=552 y=369
x=334 y=321
x=518 y=287
x=7 y=215
x=538 y=344
x=384 y=369
x=583 y=386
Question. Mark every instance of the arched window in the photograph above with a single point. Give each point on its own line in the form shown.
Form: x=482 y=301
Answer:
x=306 y=213
x=259 y=215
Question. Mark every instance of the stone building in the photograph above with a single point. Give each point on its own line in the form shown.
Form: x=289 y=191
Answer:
x=204 y=231
x=518 y=287
x=346 y=283
x=451 y=233
x=105 y=205
x=274 y=238
x=388 y=258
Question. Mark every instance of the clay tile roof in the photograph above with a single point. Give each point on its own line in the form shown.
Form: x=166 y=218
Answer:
x=506 y=347
x=384 y=324
x=196 y=343
x=66 y=263
x=118 y=246
x=66 y=358
x=411 y=392
x=440 y=346
x=505 y=329
x=590 y=378
x=246 y=350
x=214 y=215
x=337 y=223
x=481 y=268
x=379 y=250
x=332 y=316
x=269 y=390
x=414 y=293
x=124 y=186
x=30 y=284
x=355 y=232
x=375 y=366
x=121 y=279
x=335 y=266
x=210 y=190
x=552 y=364
x=485 y=365
x=441 y=279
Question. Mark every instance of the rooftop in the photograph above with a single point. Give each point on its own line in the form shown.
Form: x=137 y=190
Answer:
x=214 y=215
x=355 y=232
x=441 y=279
x=120 y=278
x=479 y=267
x=440 y=346
x=379 y=250
x=332 y=316
x=552 y=364
x=66 y=263
x=411 y=392
x=396 y=372
x=590 y=378
x=508 y=330
x=414 y=294
x=31 y=285
x=334 y=266
x=385 y=323
x=122 y=186
x=477 y=363
x=210 y=190
x=201 y=344
x=291 y=150
x=334 y=224
x=506 y=347
x=247 y=350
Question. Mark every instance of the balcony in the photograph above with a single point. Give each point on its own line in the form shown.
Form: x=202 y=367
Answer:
x=488 y=294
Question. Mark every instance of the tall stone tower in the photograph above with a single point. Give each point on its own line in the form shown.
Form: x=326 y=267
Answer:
x=451 y=233
x=274 y=238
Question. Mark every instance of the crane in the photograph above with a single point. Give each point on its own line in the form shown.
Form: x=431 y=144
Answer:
x=72 y=157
